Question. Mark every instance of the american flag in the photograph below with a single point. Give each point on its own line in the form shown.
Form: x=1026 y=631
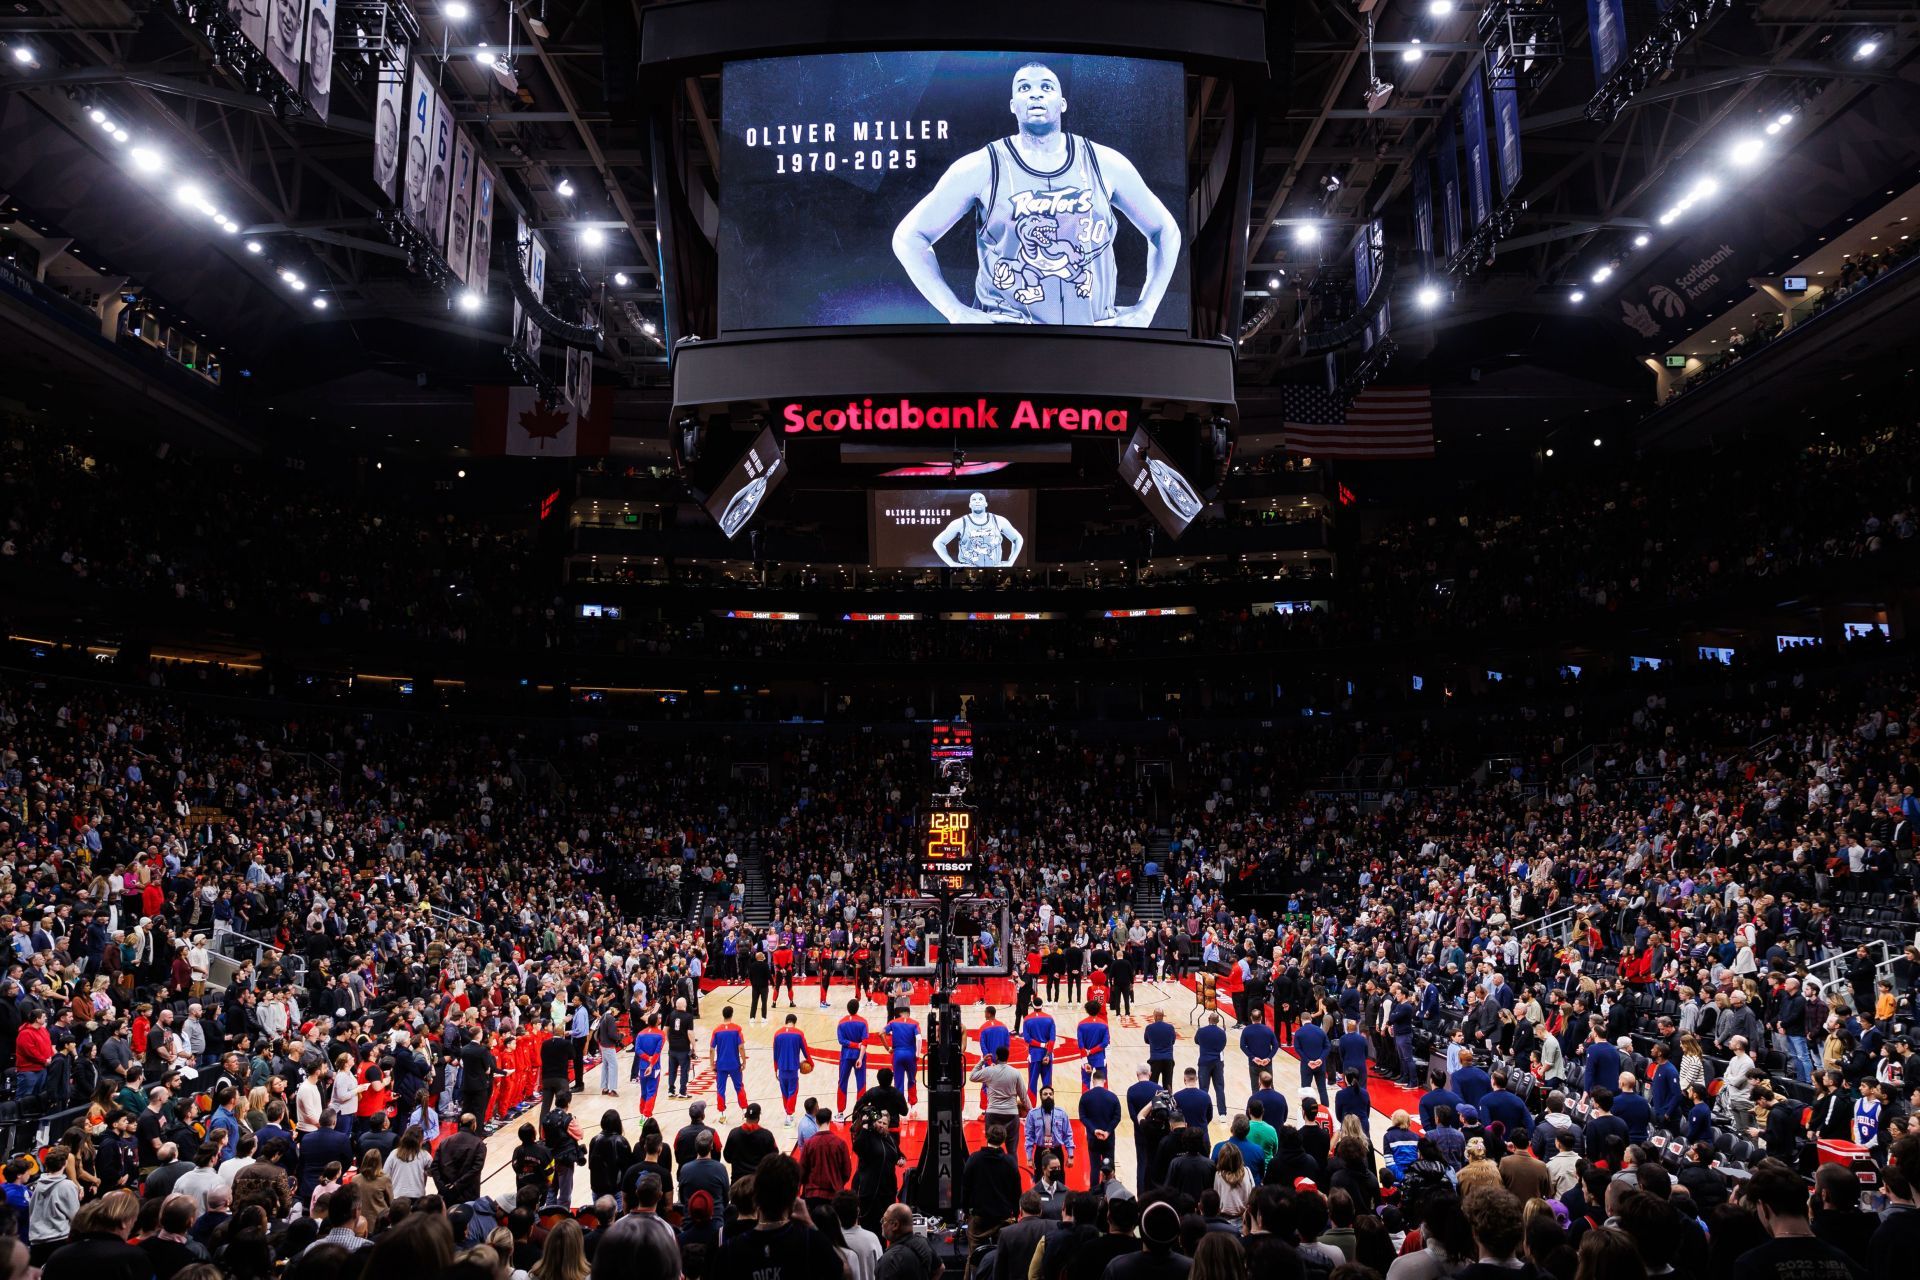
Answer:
x=1381 y=422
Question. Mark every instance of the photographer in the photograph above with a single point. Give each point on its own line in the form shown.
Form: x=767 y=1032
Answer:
x=877 y=1163
x=562 y=1135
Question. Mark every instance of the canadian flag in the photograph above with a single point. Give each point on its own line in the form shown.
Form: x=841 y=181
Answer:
x=513 y=421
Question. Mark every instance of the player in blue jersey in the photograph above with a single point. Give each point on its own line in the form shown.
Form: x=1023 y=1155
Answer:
x=729 y=1048
x=789 y=1051
x=852 y=1035
x=903 y=1035
x=648 y=1047
x=1039 y=1033
x=994 y=1036
x=1093 y=1036
x=1043 y=202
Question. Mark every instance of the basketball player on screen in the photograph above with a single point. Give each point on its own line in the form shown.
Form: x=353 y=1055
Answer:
x=1045 y=202
x=980 y=533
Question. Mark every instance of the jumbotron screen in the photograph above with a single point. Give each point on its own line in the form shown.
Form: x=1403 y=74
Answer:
x=969 y=188
x=950 y=528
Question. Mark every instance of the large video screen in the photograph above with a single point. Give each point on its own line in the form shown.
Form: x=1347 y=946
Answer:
x=1169 y=496
x=954 y=528
x=969 y=188
x=747 y=484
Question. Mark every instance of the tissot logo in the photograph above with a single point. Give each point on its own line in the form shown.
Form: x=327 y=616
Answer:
x=973 y=415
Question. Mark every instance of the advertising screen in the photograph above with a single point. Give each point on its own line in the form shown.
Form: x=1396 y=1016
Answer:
x=747 y=485
x=1169 y=496
x=957 y=528
x=969 y=188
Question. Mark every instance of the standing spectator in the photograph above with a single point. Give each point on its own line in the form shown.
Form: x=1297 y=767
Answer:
x=1779 y=1196
x=779 y=1247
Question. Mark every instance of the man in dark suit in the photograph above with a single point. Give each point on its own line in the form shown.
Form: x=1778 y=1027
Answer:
x=1603 y=1065
x=459 y=1161
x=1310 y=1042
x=1100 y=1114
x=1436 y=1097
x=1353 y=1051
x=321 y=1147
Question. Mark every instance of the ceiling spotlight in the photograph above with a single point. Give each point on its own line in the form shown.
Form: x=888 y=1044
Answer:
x=592 y=237
x=1273 y=282
x=504 y=72
x=1747 y=151
x=24 y=56
x=648 y=327
x=147 y=160
x=1866 y=49
x=1577 y=296
x=97 y=116
x=1428 y=297
x=1439 y=8
x=1642 y=240
x=320 y=304
x=565 y=188
x=484 y=55
x=620 y=280
x=189 y=195
x=1549 y=453
x=1773 y=128
x=231 y=227
x=1668 y=217
x=106 y=123
x=1603 y=275
x=121 y=135
x=470 y=301
x=253 y=246
x=460 y=474
x=1307 y=233
x=1596 y=442
x=1784 y=119
x=295 y=283
x=1412 y=55
x=455 y=11
x=1703 y=189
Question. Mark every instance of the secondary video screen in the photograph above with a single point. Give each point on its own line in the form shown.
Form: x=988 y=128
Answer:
x=747 y=484
x=950 y=528
x=960 y=187
x=1169 y=496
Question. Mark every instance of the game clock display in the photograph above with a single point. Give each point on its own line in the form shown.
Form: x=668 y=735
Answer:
x=947 y=866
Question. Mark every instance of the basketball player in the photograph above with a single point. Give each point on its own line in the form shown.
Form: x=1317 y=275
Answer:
x=994 y=1035
x=789 y=1049
x=979 y=534
x=1093 y=1036
x=728 y=1045
x=647 y=1048
x=1044 y=200
x=852 y=1035
x=903 y=1036
x=1039 y=1033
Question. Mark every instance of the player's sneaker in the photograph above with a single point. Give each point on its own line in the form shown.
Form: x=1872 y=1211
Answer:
x=789 y=1122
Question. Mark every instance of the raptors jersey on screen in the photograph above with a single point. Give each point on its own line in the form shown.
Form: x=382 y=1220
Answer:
x=1046 y=239
x=1045 y=203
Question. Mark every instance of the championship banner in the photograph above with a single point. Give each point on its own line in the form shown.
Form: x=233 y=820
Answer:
x=1447 y=155
x=389 y=107
x=1423 y=205
x=1473 y=117
x=1506 y=131
x=512 y=421
x=1607 y=34
x=317 y=86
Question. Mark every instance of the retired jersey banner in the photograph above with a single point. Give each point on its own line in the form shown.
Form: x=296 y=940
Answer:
x=1423 y=204
x=389 y=110
x=515 y=422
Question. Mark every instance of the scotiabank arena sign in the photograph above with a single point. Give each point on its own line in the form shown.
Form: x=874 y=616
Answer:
x=907 y=414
